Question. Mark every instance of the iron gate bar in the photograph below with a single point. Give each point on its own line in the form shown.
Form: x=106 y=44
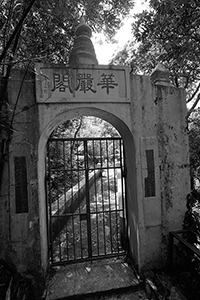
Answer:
x=85 y=139
x=77 y=214
x=58 y=204
x=115 y=192
x=80 y=223
x=46 y=198
x=122 y=184
x=95 y=188
x=109 y=211
x=87 y=199
x=115 y=182
x=103 y=201
x=125 y=217
x=49 y=199
x=65 y=200
x=116 y=197
x=109 y=196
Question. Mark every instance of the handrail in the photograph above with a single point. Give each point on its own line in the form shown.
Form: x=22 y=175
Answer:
x=174 y=234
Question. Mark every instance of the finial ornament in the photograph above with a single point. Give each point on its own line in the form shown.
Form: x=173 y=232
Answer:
x=83 y=50
x=160 y=75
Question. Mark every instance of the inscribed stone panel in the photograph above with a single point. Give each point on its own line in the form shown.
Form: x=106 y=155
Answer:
x=87 y=84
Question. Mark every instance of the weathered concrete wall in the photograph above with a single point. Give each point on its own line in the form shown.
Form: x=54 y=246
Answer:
x=152 y=124
x=20 y=237
x=151 y=121
x=159 y=124
x=4 y=211
x=4 y=191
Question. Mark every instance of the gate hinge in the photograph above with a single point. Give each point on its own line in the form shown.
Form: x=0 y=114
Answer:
x=124 y=172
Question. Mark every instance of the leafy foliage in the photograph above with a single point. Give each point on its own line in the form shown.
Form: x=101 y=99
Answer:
x=191 y=221
x=194 y=142
x=86 y=126
x=13 y=285
x=169 y=33
x=49 y=29
x=191 y=225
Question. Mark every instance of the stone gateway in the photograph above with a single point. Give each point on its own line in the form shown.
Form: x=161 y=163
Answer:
x=148 y=112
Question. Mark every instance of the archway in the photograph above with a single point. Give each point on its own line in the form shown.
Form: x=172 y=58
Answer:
x=131 y=175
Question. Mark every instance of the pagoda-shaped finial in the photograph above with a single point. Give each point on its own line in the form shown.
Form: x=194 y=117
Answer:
x=83 y=50
x=160 y=75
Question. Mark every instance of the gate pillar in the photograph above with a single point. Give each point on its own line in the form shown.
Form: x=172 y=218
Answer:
x=158 y=112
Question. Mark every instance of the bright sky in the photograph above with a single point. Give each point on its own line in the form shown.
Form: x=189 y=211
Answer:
x=105 y=51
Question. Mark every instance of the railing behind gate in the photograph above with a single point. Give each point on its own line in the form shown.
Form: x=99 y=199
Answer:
x=178 y=235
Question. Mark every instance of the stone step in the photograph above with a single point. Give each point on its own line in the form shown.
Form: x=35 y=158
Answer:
x=89 y=279
x=128 y=293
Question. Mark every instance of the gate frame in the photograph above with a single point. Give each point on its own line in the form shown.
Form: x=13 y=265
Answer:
x=131 y=180
x=123 y=222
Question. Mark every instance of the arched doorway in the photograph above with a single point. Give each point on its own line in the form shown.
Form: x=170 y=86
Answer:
x=129 y=153
x=86 y=192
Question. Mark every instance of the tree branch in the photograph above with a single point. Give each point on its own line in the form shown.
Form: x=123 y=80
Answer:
x=20 y=89
x=194 y=94
x=6 y=26
x=75 y=134
x=193 y=106
x=14 y=49
x=78 y=128
x=17 y=29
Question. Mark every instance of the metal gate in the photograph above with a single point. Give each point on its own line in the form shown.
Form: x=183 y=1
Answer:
x=86 y=199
